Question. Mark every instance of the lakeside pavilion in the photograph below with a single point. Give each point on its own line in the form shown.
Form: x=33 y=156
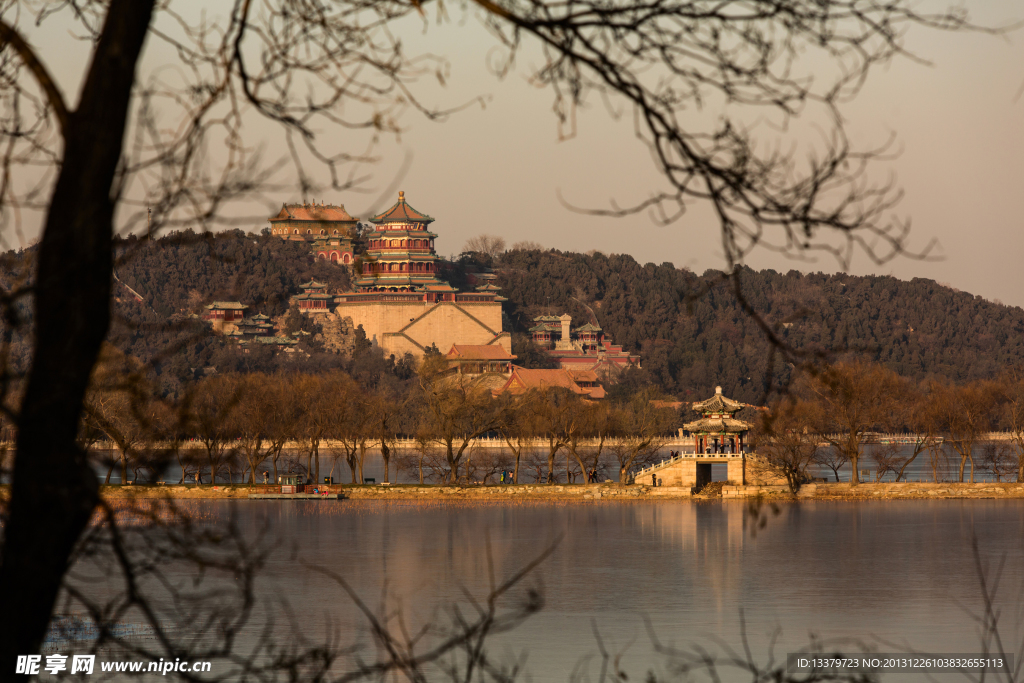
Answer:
x=718 y=431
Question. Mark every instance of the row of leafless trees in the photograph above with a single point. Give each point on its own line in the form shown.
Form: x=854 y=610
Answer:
x=830 y=419
x=255 y=422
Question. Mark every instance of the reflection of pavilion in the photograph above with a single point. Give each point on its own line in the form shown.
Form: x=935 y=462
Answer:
x=717 y=431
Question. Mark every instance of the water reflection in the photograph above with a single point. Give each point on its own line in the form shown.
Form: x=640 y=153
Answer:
x=900 y=571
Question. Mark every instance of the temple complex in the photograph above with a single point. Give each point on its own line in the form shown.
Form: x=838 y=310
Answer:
x=402 y=304
x=582 y=348
x=326 y=228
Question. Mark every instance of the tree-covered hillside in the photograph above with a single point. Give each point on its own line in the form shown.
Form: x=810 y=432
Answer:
x=918 y=328
x=688 y=343
x=183 y=271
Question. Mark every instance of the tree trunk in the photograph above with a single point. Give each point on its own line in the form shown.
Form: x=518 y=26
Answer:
x=515 y=475
x=109 y=471
x=899 y=475
x=453 y=465
x=421 y=469
x=316 y=461
x=385 y=454
x=124 y=468
x=350 y=459
x=54 y=490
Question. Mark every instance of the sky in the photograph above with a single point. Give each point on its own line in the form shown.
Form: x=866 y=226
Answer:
x=504 y=169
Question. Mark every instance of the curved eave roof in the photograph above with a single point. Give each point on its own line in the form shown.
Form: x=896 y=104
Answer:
x=391 y=234
x=376 y=255
x=401 y=212
x=717 y=425
x=314 y=213
x=718 y=404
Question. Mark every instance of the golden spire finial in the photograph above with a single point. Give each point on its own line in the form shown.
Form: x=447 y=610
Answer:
x=401 y=196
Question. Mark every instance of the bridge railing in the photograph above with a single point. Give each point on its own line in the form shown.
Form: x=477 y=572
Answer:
x=687 y=456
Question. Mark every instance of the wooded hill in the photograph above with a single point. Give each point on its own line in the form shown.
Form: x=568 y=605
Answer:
x=688 y=343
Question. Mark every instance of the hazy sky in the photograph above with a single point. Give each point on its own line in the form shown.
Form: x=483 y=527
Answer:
x=500 y=169
x=960 y=128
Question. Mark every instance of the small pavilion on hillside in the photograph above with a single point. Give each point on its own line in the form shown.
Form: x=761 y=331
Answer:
x=717 y=431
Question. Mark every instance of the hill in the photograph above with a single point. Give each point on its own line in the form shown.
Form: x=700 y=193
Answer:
x=688 y=343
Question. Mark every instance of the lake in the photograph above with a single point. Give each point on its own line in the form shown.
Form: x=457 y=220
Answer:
x=899 y=571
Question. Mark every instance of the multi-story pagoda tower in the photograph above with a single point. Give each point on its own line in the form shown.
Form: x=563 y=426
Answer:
x=400 y=302
x=400 y=253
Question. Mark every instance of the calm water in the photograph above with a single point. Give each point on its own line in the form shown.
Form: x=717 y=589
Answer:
x=898 y=571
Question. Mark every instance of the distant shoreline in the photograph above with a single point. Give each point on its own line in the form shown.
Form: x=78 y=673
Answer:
x=591 y=492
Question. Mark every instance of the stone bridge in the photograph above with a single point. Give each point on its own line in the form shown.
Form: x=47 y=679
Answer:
x=689 y=469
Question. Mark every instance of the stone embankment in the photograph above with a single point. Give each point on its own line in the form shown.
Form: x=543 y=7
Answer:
x=607 y=491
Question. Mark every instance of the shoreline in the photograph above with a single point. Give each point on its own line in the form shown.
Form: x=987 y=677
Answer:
x=588 y=492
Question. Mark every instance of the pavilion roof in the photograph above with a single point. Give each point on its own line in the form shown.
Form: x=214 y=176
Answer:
x=227 y=305
x=313 y=212
x=717 y=425
x=401 y=212
x=479 y=352
x=543 y=379
x=581 y=375
x=588 y=328
x=523 y=380
x=278 y=341
x=253 y=322
x=313 y=284
x=718 y=404
x=260 y=316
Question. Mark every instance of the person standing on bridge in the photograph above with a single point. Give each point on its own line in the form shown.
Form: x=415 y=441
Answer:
x=654 y=480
